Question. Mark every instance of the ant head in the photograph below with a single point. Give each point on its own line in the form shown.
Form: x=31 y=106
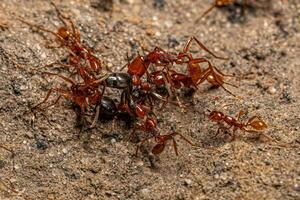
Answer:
x=64 y=33
x=258 y=125
x=216 y=116
x=158 y=148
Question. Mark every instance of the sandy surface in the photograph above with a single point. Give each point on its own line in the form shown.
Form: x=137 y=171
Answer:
x=61 y=161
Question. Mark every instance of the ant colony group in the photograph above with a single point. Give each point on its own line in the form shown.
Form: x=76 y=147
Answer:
x=150 y=80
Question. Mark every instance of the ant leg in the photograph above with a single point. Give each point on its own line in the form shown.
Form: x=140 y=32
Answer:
x=45 y=99
x=81 y=102
x=184 y=138
x=63 y=77
x=137 y=127
x=221 y=85
x=96 y=117
x=218 y=132
x=198 y=60
x=48 y=46
x=233 y=135
x=194 y=69
x=220 y=72
x=206 y=12
x=57 y=63
x=141 y=143
x=229 y=75
x=167 y=84
x=245 y=3
x=207 y=72
x=218 y=79
x=54 y=103
x=62 y=92
x=175 y=146
x=171 y=90
x=202 y=46
x=42 y=29
x=62 y=18
x=253 y=118
x=75 y=31
x=159 y=97
x=59 y=14
x=241 y=113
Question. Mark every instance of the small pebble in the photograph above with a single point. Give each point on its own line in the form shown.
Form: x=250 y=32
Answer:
x=297 y=187
x=150 y=31
x=145 y=192
x=188 y=181
x=113 y=140
x=272 y=90
x=109 y=65
x=157 y=34
x=64 y=150
x=168 y=24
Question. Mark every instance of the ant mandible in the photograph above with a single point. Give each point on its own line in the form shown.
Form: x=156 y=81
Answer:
x=254 y=122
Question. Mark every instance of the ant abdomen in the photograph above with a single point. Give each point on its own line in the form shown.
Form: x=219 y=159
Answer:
x=258 y=125
x=158 y=148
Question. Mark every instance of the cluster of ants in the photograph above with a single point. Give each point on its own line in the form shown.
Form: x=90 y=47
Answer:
x=149 y=78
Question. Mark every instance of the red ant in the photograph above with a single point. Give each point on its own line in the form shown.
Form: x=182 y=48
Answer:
x=221 y=3
x=170 y=78
x=81 y=94
x=195 y=77
x=254 y=122
x=150 y=126
x=69 y=36
x=139 y=66
x=218 y=3
x=161 y=142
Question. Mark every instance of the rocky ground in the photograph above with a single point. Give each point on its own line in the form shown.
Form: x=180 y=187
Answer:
x=58 y=160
